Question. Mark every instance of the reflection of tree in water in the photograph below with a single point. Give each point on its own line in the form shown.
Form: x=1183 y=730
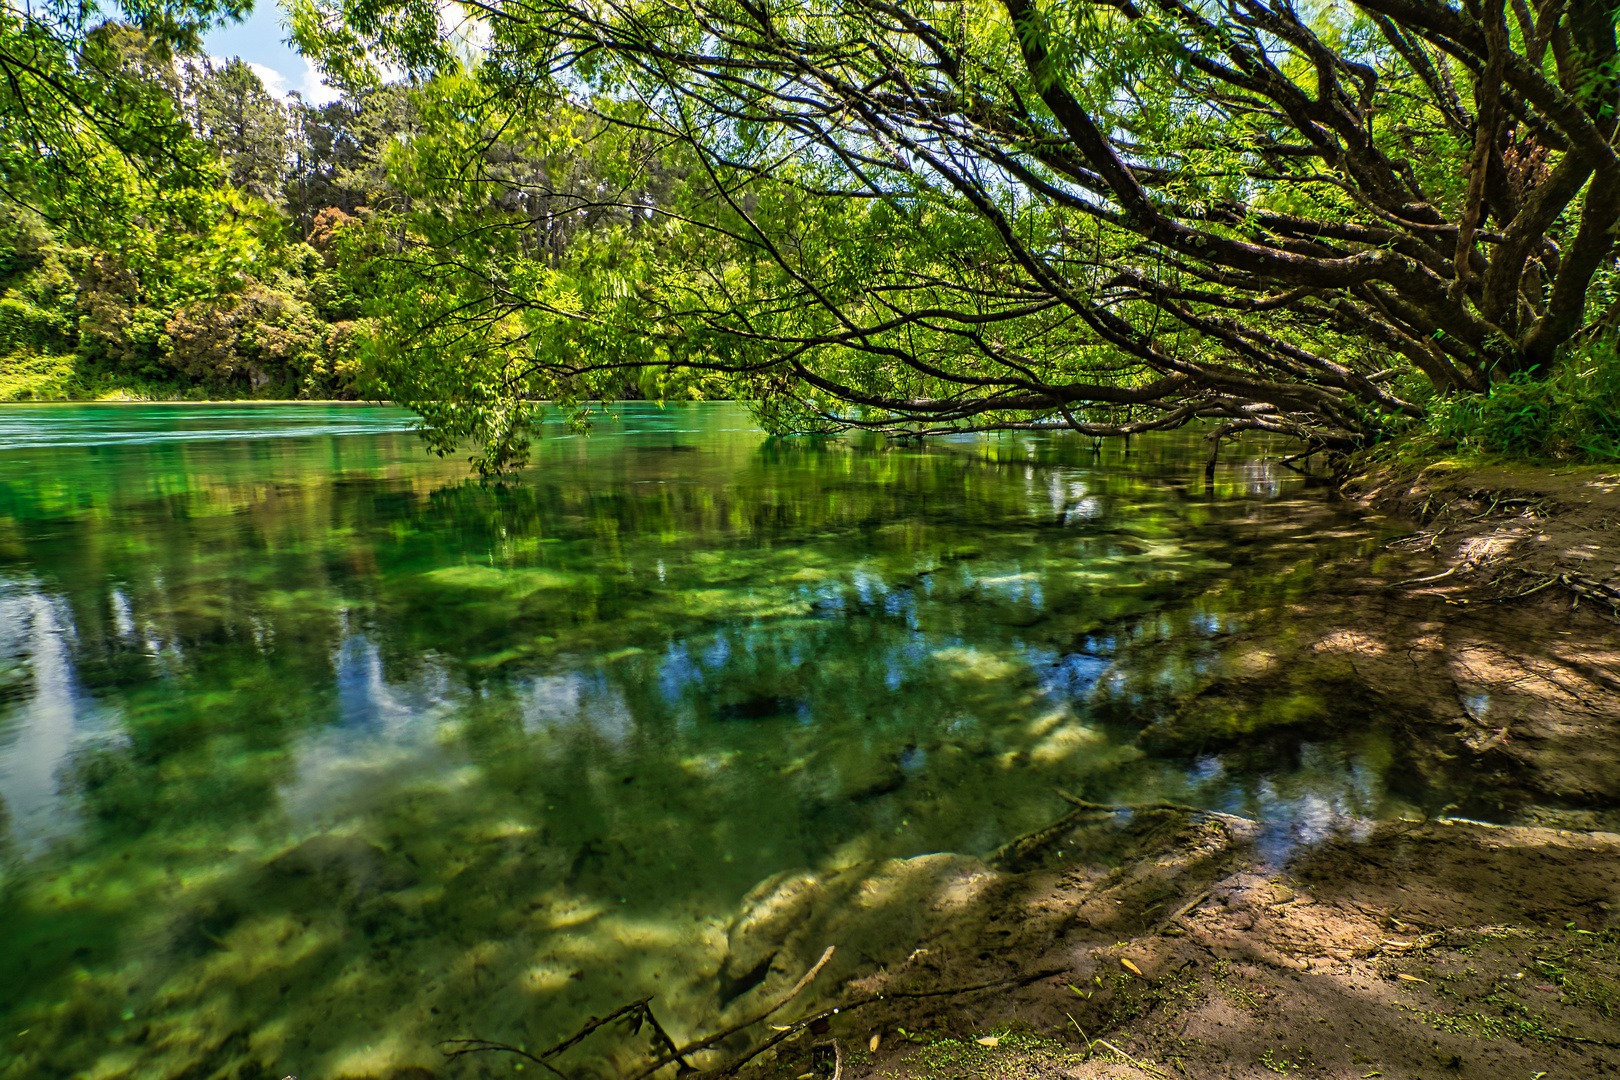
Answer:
x=445 y=757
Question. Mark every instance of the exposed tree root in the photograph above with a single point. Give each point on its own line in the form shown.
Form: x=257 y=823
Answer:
x=640 y=1012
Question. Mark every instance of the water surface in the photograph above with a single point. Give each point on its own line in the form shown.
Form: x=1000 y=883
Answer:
x=314 y=751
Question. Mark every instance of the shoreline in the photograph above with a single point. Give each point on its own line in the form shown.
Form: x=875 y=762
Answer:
x=1171 y=943
x=1167 y=942
x=1504 y=533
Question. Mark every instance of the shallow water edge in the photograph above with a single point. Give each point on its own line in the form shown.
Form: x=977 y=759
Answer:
x=315 y=752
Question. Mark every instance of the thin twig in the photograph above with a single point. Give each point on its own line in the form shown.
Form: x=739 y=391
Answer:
x=479 y=1046
x=1425 y=580
x=1187 y=907
x=1126 y=808
x=1551 y=580
x=1021 y=848
x=1144 y=1066
x=637 y=1011
x=727 y=1032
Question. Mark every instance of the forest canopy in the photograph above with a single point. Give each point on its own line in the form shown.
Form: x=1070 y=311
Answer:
x=1330 y=221
x=1322 y=220
x=153 y=211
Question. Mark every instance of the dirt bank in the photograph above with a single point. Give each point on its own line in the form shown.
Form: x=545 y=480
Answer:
x=1501 y=533
x=1173 y=943
x=1418 y=950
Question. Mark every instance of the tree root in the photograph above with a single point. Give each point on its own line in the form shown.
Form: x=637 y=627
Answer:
x=639 y=1012
x=1129 y=808
x=1580 y=586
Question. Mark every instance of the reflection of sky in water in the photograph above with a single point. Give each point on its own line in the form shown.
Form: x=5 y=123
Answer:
x=1330 y=788
x=365 y=700
x=578 y=701
x=1072 y=676
x=386 y=728
x=40 y=731
x=385 y=741
x=677 y=672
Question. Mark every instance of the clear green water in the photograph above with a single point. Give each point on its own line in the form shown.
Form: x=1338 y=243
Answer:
x=314 y=751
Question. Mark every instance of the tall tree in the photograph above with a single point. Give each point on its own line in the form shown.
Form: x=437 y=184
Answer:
x=235 y=114
x=1106 y=214
x=341 y=146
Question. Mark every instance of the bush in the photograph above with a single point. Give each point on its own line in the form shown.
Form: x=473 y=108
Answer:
x=1573 y=415
x=32 y=376
x=337 y=371
x=258 y=343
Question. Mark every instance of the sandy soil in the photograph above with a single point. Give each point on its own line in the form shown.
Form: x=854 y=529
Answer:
x=1498 y=533
x=1172 y=943
x=1418 y=950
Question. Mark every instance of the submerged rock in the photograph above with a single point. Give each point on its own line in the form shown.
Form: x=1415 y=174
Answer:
x=339 y=867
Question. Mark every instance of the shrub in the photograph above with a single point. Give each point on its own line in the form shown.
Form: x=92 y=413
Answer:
x=1572 y=415
x=261 y=342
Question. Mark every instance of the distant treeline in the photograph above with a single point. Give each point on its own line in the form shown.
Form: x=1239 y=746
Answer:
x=204 y=264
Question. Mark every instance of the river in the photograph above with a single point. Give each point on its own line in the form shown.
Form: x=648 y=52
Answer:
x=315 y=751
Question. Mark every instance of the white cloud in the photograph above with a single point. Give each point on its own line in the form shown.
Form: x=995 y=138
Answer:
x=310 y=87
x=274 y=81
x=314 y=90
x=279 y=86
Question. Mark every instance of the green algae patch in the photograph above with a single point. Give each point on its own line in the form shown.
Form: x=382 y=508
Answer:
x=489 y=580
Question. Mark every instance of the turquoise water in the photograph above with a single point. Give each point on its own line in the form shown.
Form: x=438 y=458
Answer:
x=314 y=751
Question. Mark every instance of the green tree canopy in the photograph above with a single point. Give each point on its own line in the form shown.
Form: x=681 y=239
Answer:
x=80 y=82
x=925 y=216
x=235 y=113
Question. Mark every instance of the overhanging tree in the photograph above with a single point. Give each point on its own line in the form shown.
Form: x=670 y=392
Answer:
x=82 y=84
x=927 y=215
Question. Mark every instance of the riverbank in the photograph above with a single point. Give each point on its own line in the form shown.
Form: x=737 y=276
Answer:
x=1170 y=943
x=1504 y=533
x=1165 y=942
x=1175 y=944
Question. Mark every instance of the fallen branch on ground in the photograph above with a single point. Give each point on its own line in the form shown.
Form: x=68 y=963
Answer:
x=638 y=1012
x=727 y=1032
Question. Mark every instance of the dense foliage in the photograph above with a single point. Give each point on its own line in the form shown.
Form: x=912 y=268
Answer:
x=168 y=228
x=924 y=216
x=1333 y=223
